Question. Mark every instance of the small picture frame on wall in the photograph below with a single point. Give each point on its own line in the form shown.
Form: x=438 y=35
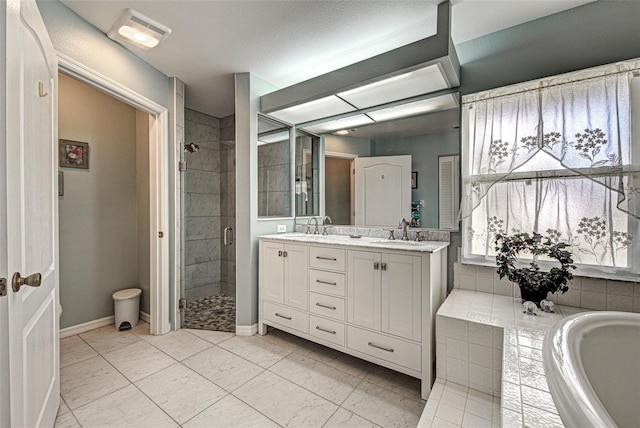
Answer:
x=414 y=180
x=73 y=154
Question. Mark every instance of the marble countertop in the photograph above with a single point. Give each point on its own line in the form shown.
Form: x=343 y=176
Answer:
x=526 y=400
x=362 y=242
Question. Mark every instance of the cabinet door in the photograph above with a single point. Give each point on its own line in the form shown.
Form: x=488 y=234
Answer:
x=364 y=289
x=272 y=271
x=296 y=276
x=401 y=296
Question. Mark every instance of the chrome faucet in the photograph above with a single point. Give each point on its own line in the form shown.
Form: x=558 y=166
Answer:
x=315 y=220
x=404 y=225
x=324 y=224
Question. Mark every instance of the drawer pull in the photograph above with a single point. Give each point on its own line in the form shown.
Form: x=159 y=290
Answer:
x=325 y=330
x=325 y=282
x=283 y=316
x=380 y=347
x=333 y=259
x=322 y=305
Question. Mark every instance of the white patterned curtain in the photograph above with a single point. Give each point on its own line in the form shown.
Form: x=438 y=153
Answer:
x=559 y=156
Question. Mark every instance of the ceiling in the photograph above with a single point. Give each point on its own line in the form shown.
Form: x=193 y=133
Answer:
x=288 y=41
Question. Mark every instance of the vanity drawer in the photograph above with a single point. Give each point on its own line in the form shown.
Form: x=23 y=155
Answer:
x=327 y=258
x=285 y=316
x=328 y=330
x=386 y=348
x=326 y=282
x=327 y=306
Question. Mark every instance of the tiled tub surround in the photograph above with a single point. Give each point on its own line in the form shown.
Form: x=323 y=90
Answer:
x=587 y=293
x=484 y=342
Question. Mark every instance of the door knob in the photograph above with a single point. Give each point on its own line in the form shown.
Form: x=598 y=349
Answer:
x=32 y=280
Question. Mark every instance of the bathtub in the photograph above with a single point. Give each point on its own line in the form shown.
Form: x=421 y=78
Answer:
x=592 y=366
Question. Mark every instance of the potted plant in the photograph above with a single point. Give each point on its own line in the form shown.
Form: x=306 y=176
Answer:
x=534 y=283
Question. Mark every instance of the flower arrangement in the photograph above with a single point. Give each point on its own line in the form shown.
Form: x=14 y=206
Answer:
x=534 y=283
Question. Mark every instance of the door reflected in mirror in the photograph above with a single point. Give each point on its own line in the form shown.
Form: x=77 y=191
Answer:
x=425 y=138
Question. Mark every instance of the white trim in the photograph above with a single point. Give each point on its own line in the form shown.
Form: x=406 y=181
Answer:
x=247 y=330
x=145 y=317
x=158 y=181
x=91 y=325
x=340 y=155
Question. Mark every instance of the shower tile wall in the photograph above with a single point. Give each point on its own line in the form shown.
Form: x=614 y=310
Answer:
x=228 y=203
x=274 y=189
x=202 y=207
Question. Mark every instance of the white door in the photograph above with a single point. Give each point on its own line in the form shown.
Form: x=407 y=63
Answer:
x=402 y=296
x=272 y=271
x=363 y=288
x=28 y=207
x=383 y=190
x=296 y=290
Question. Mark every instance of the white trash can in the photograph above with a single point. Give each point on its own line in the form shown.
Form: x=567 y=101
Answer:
x=127 y=308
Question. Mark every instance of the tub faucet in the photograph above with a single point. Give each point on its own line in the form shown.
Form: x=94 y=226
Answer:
x=315 y=229
x=324 y=224
x=404 y=225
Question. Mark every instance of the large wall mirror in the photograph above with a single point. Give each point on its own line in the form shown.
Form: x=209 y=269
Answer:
x=431 y=140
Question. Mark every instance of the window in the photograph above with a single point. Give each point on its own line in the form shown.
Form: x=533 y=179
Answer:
x=557 y=156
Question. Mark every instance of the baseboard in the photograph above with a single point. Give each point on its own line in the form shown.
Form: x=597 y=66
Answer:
x=91 y=325
x=145 y=317
x=247 y=330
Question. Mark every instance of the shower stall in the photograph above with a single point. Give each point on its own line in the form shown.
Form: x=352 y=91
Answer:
x=208 y=242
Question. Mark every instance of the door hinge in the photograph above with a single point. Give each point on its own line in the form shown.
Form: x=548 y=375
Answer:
x=160 y=234
x=3 y=287
x=182 y=166
x=182 y=304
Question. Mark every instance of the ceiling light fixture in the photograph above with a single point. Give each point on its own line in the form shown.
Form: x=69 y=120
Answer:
x=139 y=30
x=341 y=132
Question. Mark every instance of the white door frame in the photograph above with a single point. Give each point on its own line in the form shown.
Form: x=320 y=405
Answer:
x=158 y=184
x=352 y=182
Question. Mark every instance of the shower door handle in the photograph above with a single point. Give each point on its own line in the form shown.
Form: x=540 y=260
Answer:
x=228 y=236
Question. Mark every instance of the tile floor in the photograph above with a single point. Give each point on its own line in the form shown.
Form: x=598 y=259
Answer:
x=198 y=378
x=453 y=406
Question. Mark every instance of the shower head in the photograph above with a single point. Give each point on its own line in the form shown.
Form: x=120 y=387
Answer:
x=191 y=147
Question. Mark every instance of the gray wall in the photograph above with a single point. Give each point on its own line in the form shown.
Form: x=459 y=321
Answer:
x=593 y=34
x=202 y=207
x=98 y=212
x=351 y=145
x=249 y=88
x=425 y=151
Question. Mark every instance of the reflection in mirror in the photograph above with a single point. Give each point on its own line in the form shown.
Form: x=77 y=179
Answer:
x=426 y=138
x=274 y=171
x=307 y=174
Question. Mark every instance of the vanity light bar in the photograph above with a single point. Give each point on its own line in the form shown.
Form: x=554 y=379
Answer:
x=313 y=110
x=347 y=122
x=443 y=102
x=414 y=83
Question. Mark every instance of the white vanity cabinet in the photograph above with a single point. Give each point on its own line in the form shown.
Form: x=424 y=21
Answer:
x=384 y=292
x=284 y=273
x=358 y=297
